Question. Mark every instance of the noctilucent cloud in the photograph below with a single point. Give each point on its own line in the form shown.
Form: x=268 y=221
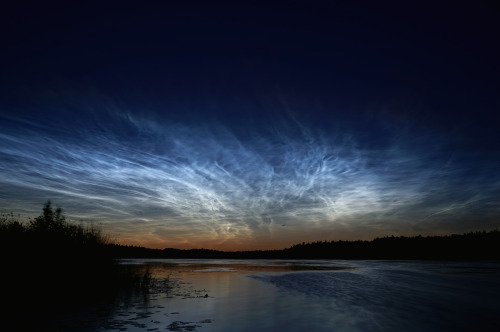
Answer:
x=240 y=127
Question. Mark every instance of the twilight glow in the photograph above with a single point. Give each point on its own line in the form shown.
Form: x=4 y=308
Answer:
x=168 y=185
x=229 y=134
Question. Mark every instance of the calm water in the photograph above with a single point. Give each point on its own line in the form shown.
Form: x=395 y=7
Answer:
x=309 y=296
x=315 y=296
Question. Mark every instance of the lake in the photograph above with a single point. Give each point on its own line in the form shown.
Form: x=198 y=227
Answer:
x=308 y=295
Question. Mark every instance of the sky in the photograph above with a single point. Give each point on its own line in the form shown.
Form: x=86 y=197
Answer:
x=244 y=125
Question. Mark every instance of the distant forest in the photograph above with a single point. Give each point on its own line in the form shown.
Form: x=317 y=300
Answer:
x=51 y=235
x=484 y=245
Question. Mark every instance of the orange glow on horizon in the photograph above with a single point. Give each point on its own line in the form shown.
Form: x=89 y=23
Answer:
x=235 y=244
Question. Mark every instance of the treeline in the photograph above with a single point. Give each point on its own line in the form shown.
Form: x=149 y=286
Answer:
x=50 y=238
x=51 y=257
x=483 y=245
x=469 y=246
x=50 y=235
x=55 y=271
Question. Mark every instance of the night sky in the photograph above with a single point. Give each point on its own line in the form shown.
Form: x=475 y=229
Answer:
x=237 y=125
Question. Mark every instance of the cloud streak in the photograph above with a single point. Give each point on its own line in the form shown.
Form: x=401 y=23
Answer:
x=159 y=183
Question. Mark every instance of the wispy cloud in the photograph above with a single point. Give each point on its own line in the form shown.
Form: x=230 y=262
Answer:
x=160 y=183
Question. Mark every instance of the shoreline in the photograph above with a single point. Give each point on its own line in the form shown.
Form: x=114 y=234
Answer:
x=245 y=295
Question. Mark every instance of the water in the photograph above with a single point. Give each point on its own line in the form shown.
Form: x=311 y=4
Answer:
x=315 y=296
x=302 y=295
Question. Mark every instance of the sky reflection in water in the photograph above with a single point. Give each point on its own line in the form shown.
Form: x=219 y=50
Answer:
x=316 y=296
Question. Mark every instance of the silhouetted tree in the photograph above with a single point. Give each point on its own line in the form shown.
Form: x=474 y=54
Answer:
x=50 y=219
x=52 y=258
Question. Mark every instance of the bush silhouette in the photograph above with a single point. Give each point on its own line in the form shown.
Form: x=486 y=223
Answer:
x=50 y=256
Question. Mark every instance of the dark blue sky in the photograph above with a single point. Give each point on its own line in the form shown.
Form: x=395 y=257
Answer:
x=246 y=126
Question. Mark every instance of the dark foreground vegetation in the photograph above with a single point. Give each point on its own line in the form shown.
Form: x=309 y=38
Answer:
x=50 y=264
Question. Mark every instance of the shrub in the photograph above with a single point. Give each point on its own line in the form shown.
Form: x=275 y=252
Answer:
x=50 y=256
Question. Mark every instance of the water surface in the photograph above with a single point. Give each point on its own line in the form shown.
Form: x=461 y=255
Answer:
x=301 y=295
